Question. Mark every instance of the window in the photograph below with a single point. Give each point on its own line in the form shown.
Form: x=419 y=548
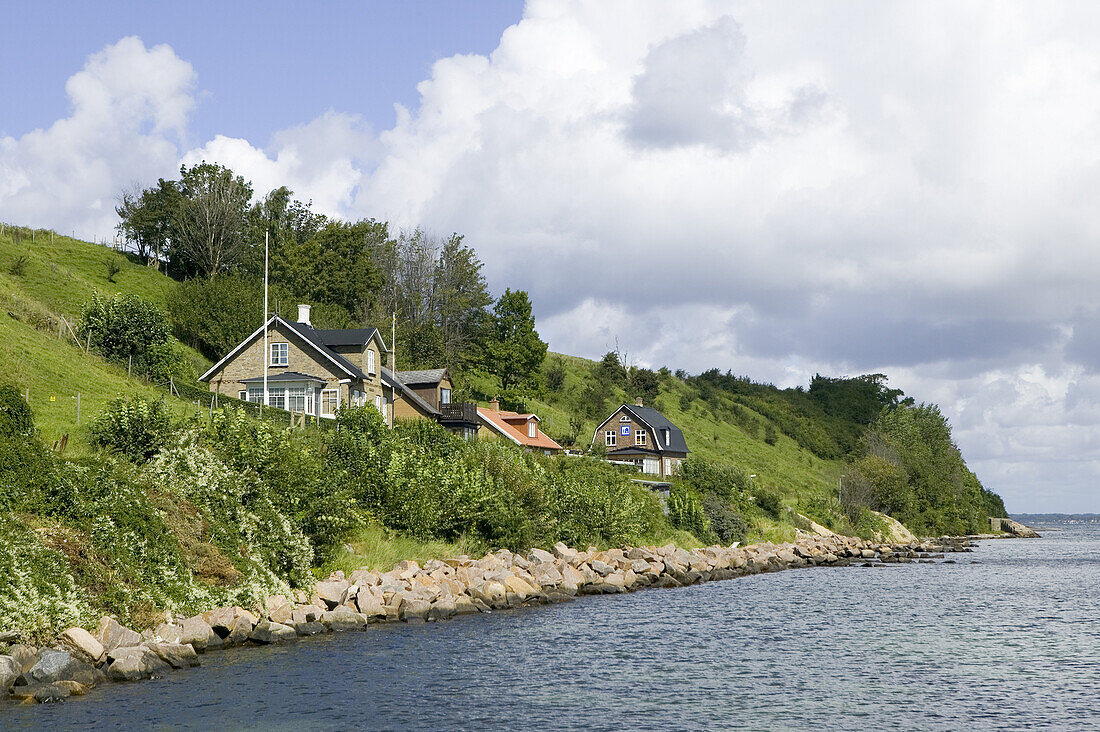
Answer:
x=378 y=403
x=639 y=438
x=667 y=435
x=255 y=394
x=609 y=438
x=358 y=398
x=297 y=398
x=532 y=428
x=624 y=418
x=279 y=353
x=370 y=361
x=277 y=398
x=242 y=395
x=330 y=400
x=444 y=396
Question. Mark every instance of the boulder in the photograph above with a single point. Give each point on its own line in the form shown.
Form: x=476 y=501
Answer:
x=9 y=671
x=239 y=633
x=198 y=633
x=443 y=608
x=75 y=688
x=565 y=552
x=305 y=614
x=51 y=666
x=50 y=693
x=283 y=614
x=465 y=606
x=134 y=663
x=370 y=605
x=111 y=634
x=223 y=619
x=540 y=556
x=311 y=627
x=81 y=644
x=343 y=618
x=164 y=631
x=415 y=611
x=24 y=656
x=176 y=655
x=269 y=632
x=332 y=593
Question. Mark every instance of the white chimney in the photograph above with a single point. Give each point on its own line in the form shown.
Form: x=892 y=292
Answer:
x=303 y=315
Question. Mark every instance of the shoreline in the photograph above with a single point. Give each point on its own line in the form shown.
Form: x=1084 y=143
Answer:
x=439 y=590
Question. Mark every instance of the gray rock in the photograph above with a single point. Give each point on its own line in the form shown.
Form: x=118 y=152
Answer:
x=269 y=632
x=50 y=693
x=111 y=634
x=164 y=631
x=239 y=633
x=134 y=663
x=9 y=671
x=198 y=633
x=443 y=608
x=51 y=666
x=25 y=656
x=333 y=593
x=343 y=618
x=311 y=627
x=415 y=611
x=541 y=556
x=176 y=655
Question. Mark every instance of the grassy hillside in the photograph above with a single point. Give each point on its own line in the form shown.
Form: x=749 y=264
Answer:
x=45 y=284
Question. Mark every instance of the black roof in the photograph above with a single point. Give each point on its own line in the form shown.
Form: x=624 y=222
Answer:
x=283 y=376
x=658 y=421
x=315 y=338
x=427 y=376
x=407 y=393
x=344 y=337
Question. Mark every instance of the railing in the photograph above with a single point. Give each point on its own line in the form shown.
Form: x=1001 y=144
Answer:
x=458 y=412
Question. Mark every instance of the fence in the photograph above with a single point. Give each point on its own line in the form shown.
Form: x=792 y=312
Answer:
x=29 y=235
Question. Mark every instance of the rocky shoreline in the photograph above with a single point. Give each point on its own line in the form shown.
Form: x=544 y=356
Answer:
x=441 y=589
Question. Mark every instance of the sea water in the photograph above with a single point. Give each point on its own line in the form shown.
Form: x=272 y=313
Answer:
x=1006 y=638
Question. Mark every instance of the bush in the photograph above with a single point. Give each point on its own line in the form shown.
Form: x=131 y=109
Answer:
x=726 y=523
x=124 y=327
x=18 y=266
x=769 y=501
x=135 y=428
x=711 y=476
x=685 y=511
x=15 y=413
x=555 y=375
x=770 y=435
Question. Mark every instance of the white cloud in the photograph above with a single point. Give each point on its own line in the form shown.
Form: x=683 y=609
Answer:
x=129 y=108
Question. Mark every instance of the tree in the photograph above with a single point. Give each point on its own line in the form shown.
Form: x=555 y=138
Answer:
x=147 y=219
x=124 y=327
x=645 y=384
x=516 y=350
x=209 y=223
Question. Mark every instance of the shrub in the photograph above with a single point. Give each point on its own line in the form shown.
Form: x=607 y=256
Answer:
x=712 y=476
x=113 y=268
x=770 y=435
x=18 y=266
x=769 y=501
x=124 y=327
x=135 y=428
x=685 y=511
x=726 y=523
x=555 y=375
x=15 y=413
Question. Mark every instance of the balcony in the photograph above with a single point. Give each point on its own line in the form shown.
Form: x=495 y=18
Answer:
x=458 y=412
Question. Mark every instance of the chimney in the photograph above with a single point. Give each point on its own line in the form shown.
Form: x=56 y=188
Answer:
x=303 y=315
x=638 y=402
x=495 y=404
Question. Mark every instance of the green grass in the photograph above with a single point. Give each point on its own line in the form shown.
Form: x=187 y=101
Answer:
x=377 y=547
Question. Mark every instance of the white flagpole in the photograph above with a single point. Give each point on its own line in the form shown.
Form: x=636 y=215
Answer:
x=266 y=356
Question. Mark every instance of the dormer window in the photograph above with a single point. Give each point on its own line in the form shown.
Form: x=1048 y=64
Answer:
x=280 y=354
x=532 y=428
x=370 y=361
x=667 y=435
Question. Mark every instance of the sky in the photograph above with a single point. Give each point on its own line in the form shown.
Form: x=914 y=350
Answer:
x=774 y=188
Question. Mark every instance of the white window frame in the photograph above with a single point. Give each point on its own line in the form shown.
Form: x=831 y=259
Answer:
x=639 y=438
x=532 y=428
x=335 y=398
x=378 y=404
x=255 y=394
x=668 y=435
x=444 y=396
x=243 y=395
x=624 y=418
x=280 y=354
x=370 y=361
x=610 y=439
x=293 y=395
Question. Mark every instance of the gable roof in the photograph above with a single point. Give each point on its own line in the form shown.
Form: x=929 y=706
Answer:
x=408 y=394
x=428 y=376
x=306 y=333
x=510 y=424
x=657 y=422
x=348 y=336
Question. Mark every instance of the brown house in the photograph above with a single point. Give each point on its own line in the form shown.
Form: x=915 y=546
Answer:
x=314 y=372
x=644 y=437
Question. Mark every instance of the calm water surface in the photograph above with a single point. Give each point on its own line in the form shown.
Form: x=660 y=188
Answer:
x=1008 y=641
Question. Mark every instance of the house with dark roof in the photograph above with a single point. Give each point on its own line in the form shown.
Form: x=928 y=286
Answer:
x=644 y=437
x=434 y=386
x=315 y=371
x=520 y=429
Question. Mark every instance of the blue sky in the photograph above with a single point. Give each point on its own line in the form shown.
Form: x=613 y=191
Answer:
x=777 y=188
x=262 y=66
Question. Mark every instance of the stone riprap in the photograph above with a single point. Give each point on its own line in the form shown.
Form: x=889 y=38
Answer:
x=439 y=590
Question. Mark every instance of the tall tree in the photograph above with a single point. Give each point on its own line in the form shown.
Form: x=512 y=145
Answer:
x=210 y=222
x=146 y=218
x=516 y=351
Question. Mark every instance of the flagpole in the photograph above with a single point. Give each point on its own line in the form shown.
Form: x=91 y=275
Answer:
x=265 y=356
x=393 y=365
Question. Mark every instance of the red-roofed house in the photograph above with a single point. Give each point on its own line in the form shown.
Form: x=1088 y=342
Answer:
x=522 y=429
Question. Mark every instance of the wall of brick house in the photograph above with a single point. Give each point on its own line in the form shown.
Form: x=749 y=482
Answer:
x=431 y=393
x=614 y=424
x=403 y=410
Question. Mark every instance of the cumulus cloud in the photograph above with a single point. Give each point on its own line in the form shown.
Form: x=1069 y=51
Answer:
x=129 y=110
